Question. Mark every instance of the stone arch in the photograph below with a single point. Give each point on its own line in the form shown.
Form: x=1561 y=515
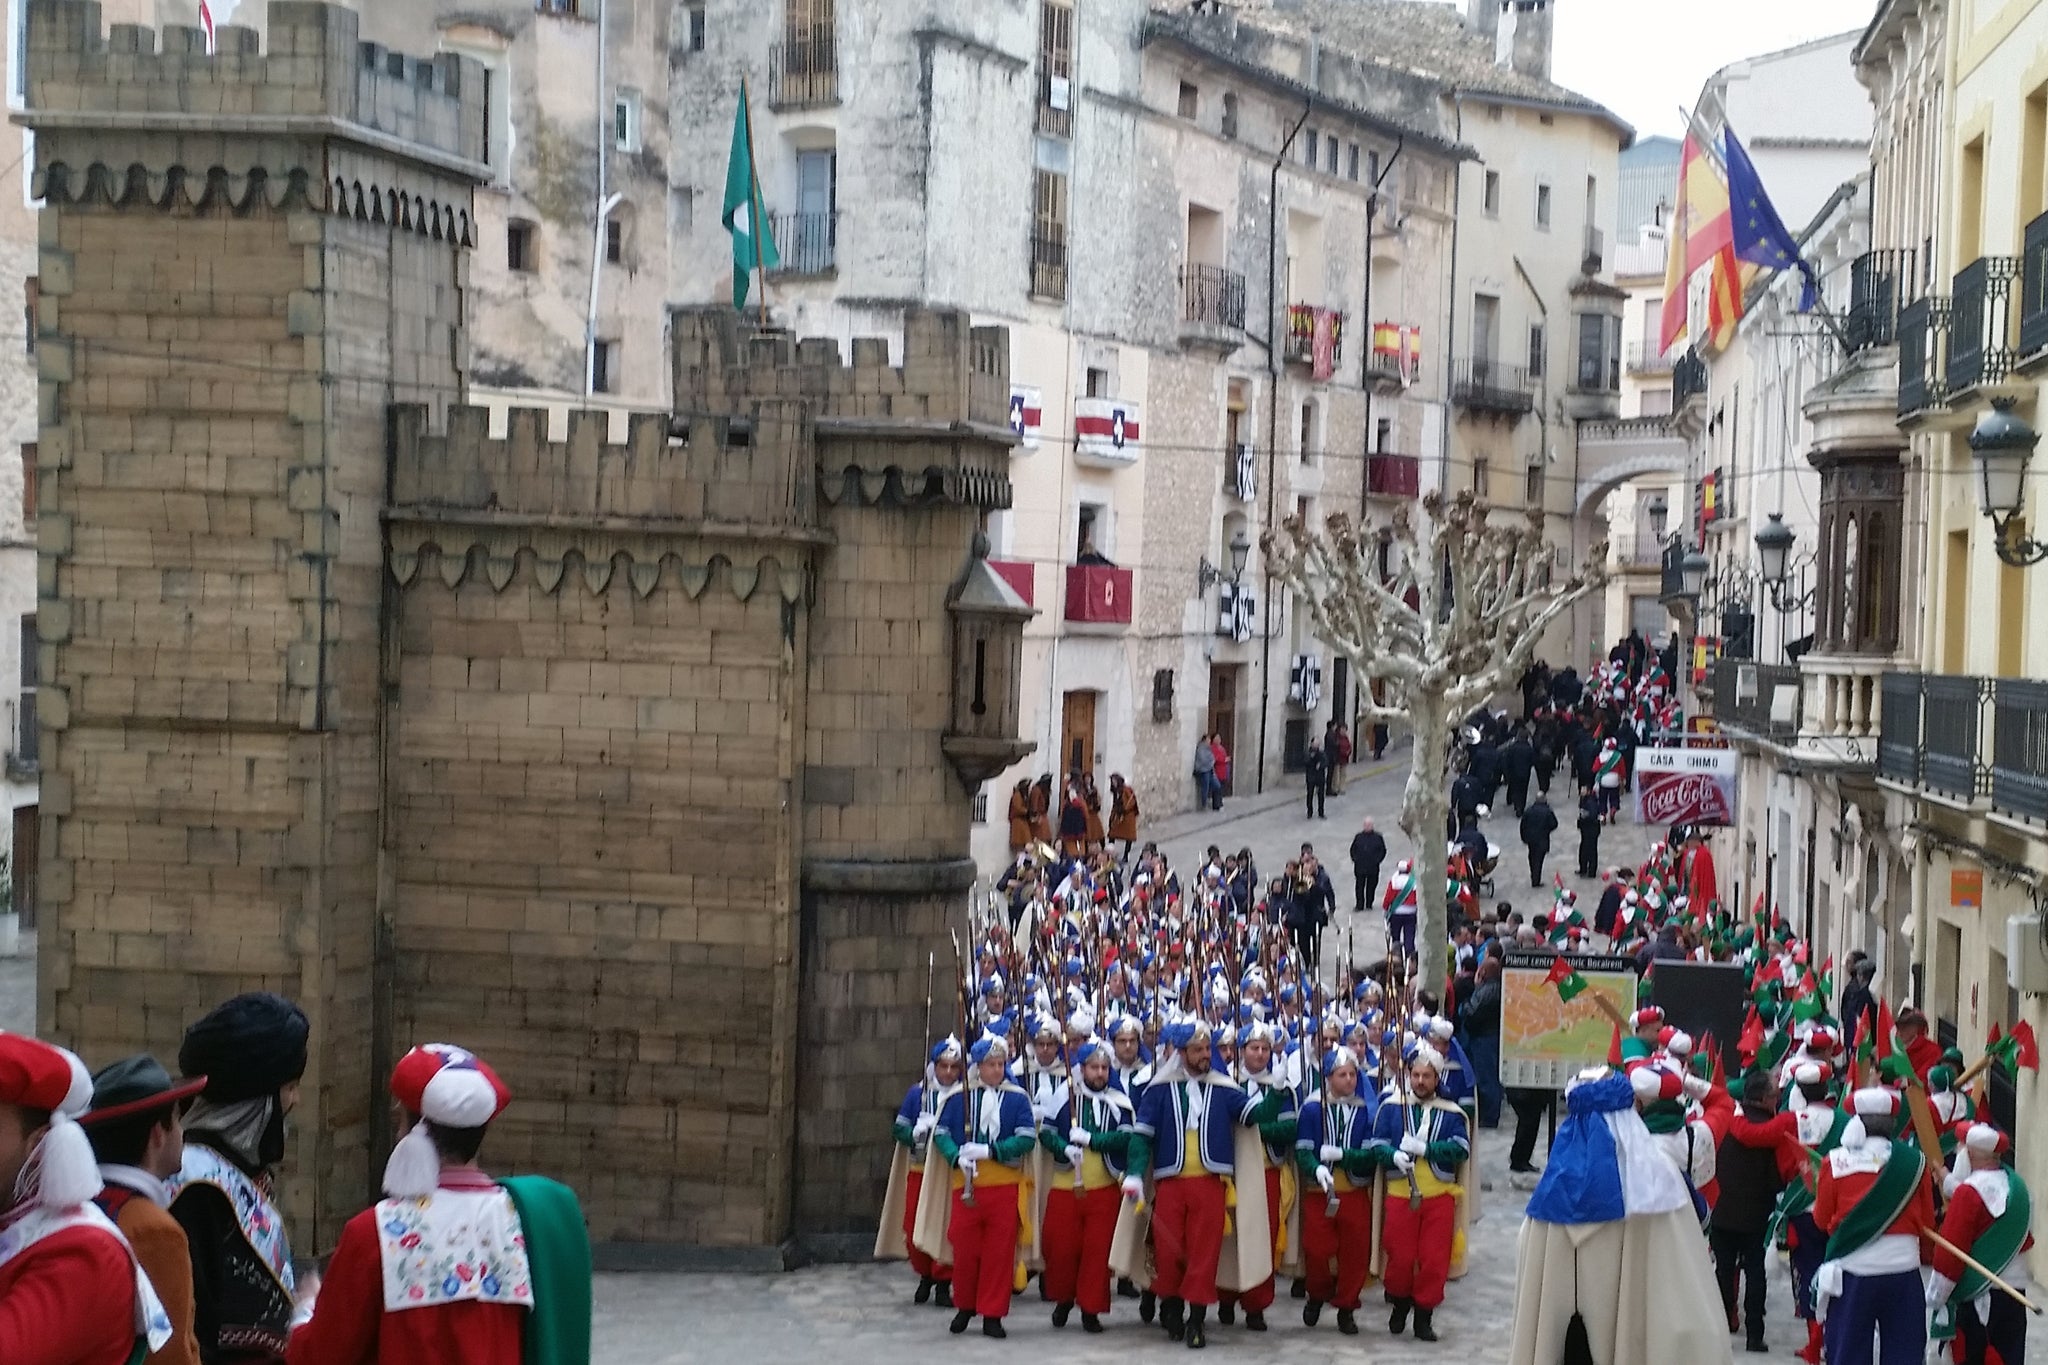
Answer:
x=1607 y=476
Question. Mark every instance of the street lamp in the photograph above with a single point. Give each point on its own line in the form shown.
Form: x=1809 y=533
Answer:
x=1692 y=574
x=1660 y=513
x=1774 y=564
x=1207 y=575
x=2003 y=445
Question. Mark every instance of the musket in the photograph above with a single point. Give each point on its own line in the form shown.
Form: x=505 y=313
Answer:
x=968 y=1102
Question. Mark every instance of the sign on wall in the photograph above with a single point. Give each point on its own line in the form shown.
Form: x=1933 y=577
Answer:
x=1686 y=786
x=1966 y=888
x=1545 y=1039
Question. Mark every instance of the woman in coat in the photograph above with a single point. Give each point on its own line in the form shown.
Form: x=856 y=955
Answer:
x=1123 y=812
x=1020 y=816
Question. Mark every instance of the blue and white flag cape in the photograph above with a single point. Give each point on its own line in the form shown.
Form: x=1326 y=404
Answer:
x=1605 y=1166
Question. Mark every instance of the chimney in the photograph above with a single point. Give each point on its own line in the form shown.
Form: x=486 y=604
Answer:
x=1530 y=54
x=1483 y=17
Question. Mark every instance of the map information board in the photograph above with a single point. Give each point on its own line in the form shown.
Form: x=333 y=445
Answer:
x=1545 y=1040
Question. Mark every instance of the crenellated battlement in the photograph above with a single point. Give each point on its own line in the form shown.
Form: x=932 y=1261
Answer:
x=133 y=114
x=766 y=480
x=952 y=371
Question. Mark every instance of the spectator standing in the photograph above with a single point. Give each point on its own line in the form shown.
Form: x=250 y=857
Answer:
x=1589 y=836
x=1368 y=853
x=1479 y=1018
x=1339 y=749
x=1316 y=773
x=1539 y=822
x=1206 y=786
x=1222 y=756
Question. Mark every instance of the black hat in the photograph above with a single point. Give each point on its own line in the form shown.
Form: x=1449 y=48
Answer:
x=136 y=1085
x=247 y=1047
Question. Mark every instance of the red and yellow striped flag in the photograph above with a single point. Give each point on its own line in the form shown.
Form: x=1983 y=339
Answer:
x=1702 y=236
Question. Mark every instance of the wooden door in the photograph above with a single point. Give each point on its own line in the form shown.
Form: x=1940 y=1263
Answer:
x=1223 y=714
x=28 y=859
x=1077 y=733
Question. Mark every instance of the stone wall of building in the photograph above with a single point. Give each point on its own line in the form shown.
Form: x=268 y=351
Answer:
x=223 y=326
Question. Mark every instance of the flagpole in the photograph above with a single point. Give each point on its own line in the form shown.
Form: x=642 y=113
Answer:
x=756 y=211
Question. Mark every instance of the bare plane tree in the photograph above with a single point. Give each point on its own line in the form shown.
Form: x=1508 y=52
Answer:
x=1445 y=611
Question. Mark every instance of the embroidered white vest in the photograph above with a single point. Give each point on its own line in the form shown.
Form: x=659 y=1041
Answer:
x=453 y=1246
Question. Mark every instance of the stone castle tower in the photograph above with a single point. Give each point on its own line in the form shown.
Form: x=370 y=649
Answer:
x=643 y=768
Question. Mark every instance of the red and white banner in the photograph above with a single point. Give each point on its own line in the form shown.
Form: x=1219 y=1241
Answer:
x=206 y=22
x=1686 y=786
x=1106 y=431
x=1027 y=413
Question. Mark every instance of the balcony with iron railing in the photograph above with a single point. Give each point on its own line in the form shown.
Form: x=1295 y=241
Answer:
x=1212 y=308
x=1648 y=357
x=1981 y=322
x=1388 y=475
x=807 y=242
x=2034 y=289
x=1764 y=700
x=1302 y=320
x=1481 y=384
x=1933 y=734
x=803 y=70
x=2019 y=748
x=1688 y=379
x=1048 y=266
x=1879 y=282
x=1923 y=355
x=1898 y=741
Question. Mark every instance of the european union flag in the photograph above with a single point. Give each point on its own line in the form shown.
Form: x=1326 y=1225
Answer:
x=1760 y=234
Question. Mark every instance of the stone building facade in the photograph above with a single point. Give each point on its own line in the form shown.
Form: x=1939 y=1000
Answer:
x=641 y=766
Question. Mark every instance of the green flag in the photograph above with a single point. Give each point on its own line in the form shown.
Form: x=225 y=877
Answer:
x=753 y=244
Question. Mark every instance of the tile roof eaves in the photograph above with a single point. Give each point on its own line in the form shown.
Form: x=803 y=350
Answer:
x=1578 y=104
x=1167 y=32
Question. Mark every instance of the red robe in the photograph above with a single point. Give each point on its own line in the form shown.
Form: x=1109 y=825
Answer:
x=68 y=1300
x=350 y=1326
x=1702 y=886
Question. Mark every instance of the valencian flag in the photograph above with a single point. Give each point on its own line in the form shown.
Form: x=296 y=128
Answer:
x=1570 y=985
x=753 y=245
x=1760 y=234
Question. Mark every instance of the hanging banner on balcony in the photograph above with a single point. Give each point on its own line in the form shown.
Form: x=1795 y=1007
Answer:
x=1027 y=412
x=1686 y=786
x=1106 y=431
x=1323 y=351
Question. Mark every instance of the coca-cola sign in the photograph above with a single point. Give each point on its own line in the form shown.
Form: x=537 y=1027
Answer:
x=1686 y=786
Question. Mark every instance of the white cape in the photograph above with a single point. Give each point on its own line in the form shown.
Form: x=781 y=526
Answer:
x=1644 y=1285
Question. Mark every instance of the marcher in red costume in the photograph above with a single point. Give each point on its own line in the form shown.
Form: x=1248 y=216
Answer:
x=454 y=1268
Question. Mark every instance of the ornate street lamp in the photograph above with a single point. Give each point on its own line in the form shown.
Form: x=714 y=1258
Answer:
x=2003 y=445
x=1660 y=513
x=1207 y=575
x=1774 y=564
x=1692 y=573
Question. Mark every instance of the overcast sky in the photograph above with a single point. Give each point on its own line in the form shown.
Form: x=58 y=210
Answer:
x=1643 y=58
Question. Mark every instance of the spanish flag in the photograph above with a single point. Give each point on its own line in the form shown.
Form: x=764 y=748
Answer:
x=1702 y=237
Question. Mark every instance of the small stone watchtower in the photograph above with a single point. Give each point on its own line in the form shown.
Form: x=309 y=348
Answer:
x=642 y=767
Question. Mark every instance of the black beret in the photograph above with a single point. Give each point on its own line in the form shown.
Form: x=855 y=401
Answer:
x=247 y=1047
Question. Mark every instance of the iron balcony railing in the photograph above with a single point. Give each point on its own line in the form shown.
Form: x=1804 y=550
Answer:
x=1923 y=351
x=1212 y=296
x=1048 y=267
x=1688 y=378
x=1952 y=733
x=1898 y=730
x=2019 y=748
x=1486 y=385
x=1878 y=281
x=803 y=69
x=1980 y=327
x=807 y=242
x=2034 y=288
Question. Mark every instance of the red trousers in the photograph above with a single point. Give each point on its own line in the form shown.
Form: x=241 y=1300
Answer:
x=1418 y=1244
x=1337 y=1252
x=1259 y=1297
x=920 y=1261
x=1187 y=1237
x=984 y=1237
x=1079 y=1225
